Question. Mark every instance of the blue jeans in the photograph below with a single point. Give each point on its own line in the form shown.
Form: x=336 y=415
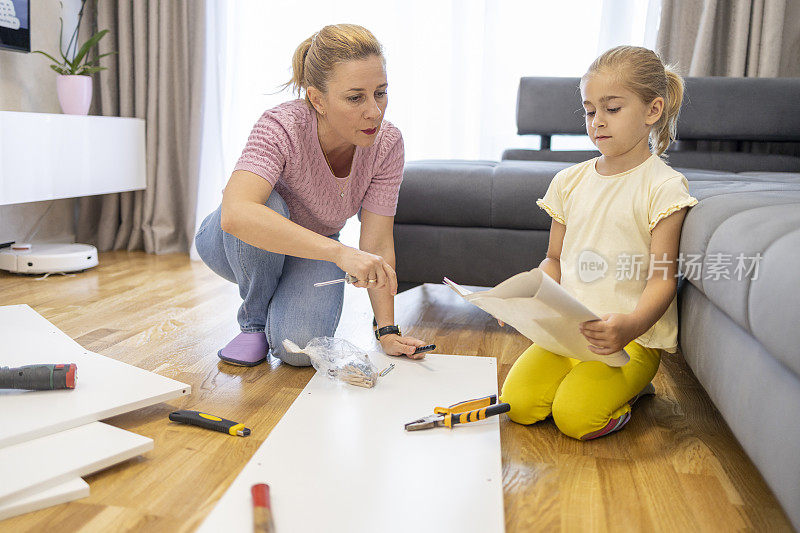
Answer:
x=278 y=293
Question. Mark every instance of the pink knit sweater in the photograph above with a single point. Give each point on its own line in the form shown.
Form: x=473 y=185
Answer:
x=284 y=149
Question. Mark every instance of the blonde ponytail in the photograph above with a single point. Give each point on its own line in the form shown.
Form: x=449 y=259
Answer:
x=643 y=73
x=298 y=67
x=314 y=60
x=664 y=131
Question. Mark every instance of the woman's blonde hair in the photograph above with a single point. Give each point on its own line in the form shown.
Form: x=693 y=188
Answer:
x=314 y=60
x=643 y=73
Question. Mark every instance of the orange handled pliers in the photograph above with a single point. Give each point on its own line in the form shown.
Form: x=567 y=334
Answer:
x=460 y=413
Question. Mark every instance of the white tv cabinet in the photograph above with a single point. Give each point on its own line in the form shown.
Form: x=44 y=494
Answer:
x=47 y=156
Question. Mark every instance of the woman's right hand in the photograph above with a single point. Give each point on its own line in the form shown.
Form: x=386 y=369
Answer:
x=366 y=266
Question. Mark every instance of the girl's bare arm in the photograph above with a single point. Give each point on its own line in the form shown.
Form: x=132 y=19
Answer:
x=551 y=265
x=660 y=289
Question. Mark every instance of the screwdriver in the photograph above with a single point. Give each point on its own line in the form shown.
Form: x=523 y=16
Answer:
x=346 y=279
x=207 y=421
x=39 y=377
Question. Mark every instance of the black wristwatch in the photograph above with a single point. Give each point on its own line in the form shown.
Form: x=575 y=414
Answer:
x=385 y=330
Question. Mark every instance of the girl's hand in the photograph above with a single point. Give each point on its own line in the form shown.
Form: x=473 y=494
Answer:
x=397 y=345
x=365 y=267
x=611 y=333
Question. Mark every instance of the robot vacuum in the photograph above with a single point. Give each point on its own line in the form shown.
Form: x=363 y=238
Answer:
x=47 y=258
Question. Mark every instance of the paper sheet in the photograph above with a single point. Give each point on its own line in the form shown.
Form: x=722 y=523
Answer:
x=539 y=308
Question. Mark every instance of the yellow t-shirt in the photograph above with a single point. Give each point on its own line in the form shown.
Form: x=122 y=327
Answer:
x=605 y=258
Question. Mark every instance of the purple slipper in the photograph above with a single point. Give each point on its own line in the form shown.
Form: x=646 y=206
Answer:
x=246 y=349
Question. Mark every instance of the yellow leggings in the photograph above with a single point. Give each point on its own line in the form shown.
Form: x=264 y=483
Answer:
x=587 y=399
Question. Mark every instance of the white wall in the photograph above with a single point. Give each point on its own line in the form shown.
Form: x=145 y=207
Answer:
x=28 y=84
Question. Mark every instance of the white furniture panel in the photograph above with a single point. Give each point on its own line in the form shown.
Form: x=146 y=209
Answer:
x=43 y=463
x=47 y=156
x=105 y=387
x=74 y=489
x=340 y=459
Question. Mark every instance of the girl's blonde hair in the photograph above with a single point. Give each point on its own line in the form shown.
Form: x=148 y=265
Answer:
x=314 y=60
x=643 y=73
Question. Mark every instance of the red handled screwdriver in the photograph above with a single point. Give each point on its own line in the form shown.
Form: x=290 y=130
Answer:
x=39 y=377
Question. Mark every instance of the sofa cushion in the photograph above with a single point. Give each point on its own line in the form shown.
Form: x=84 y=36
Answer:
x=517 y=186
x=774 y=310
x=467 y=255
x=678 y=158
x=734 y=161
x=770 y=177
x=705 y=219
x=694 y=174
x=733 y=184
x=700 y=174
x=446 y=193
x=748 y=219
x=476 y=193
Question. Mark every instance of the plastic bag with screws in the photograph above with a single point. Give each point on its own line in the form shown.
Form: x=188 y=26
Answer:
x=338 y=359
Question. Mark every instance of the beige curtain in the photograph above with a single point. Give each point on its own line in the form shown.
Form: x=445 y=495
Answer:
x=743 y=38
x=737 y=38
x=156 y=75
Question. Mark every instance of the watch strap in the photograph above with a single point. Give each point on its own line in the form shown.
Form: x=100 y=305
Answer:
x=385 y=330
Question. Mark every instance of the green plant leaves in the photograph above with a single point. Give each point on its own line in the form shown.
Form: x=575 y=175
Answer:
x=74 y=67
x=88 y=45
x=87 y=70
x=60 y=70
x=103 y=55
x=53 y=59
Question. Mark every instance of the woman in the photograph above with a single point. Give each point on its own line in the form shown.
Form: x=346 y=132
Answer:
x=308 y=166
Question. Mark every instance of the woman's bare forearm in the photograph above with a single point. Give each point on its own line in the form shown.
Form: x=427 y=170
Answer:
x=382 y=300
x=260 y=226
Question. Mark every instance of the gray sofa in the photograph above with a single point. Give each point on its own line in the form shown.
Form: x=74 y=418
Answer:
x=477 y=223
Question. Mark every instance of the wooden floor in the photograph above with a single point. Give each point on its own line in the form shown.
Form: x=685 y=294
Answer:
x=675 y=467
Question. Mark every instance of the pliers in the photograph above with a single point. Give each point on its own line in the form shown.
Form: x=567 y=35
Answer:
x=460 y=413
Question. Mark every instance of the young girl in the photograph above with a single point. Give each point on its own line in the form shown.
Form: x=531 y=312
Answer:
x=624 y=210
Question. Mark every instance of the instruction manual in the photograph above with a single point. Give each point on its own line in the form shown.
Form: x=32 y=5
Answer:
x=539 y=308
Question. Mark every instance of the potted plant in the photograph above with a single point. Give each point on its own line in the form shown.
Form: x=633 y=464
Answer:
x=74 y=82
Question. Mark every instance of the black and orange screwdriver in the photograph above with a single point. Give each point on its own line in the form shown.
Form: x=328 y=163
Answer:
x=39 y=377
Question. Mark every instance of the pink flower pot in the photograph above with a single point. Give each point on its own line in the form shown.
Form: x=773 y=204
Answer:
x=74 y=94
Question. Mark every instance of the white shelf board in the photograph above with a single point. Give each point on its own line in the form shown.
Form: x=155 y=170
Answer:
x=105 y=387
x=71 y=490
x=43 y=463
x=340 y=459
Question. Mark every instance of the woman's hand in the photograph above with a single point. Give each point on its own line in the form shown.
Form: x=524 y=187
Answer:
x=396 y=345
x=366 y=267
x=611 y=333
